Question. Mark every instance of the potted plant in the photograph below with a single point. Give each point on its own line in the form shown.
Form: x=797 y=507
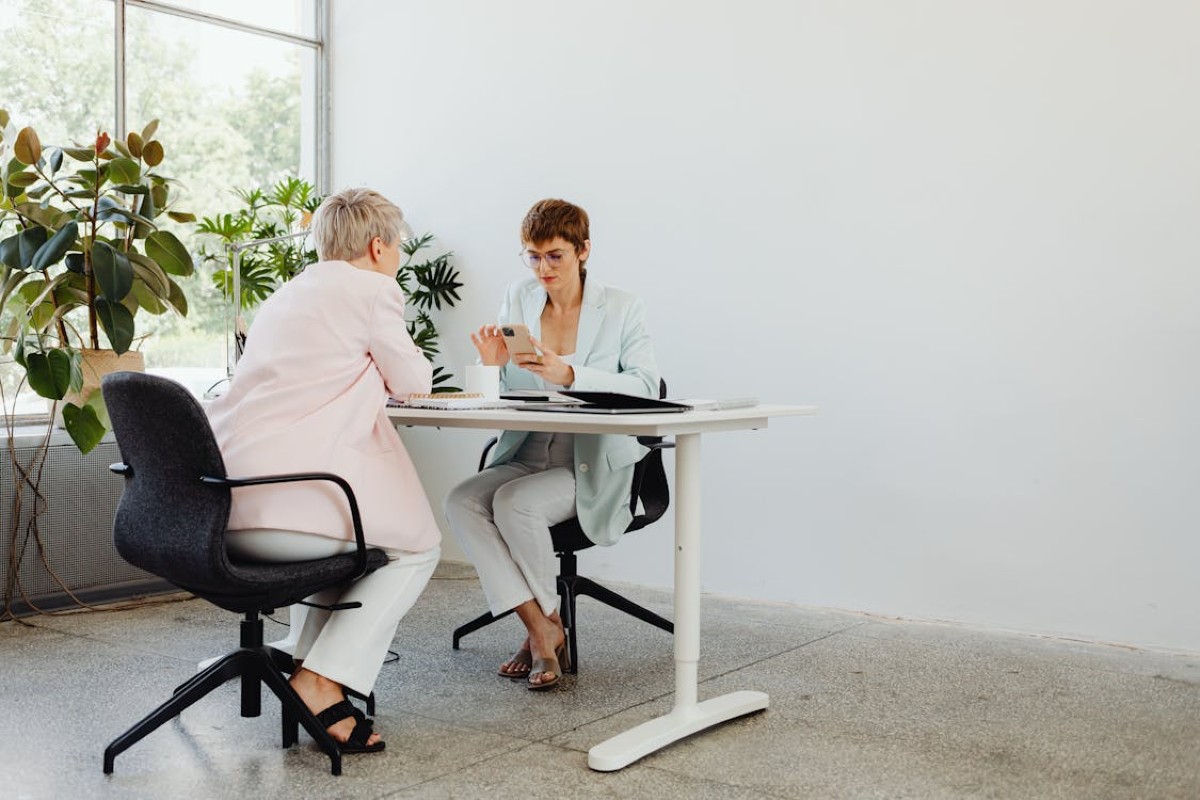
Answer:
x=286 y=208
x=82 y=251
x=427 y=283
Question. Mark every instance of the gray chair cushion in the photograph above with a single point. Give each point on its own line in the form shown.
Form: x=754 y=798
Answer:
x=171 y=524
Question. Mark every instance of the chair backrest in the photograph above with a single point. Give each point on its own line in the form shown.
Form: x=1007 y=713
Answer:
x=168 y=522
x=650 y=486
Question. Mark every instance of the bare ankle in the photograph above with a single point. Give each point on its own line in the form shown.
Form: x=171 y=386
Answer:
x=313 y=682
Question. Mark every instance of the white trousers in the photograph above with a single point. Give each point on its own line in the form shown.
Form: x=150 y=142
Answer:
x=345 y=646
x=502 y=518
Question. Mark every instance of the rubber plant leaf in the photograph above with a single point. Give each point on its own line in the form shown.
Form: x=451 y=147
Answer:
x=56 y=246
x=113 y=271
x=30 y=241
x=27 y=148
x=117 y=323
x=169 y=253
x=124 y=171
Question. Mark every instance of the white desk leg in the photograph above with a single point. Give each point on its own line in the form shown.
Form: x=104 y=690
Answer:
x=688 y=716
x=296 y=617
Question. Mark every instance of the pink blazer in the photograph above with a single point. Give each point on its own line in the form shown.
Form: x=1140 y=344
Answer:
x=322 y=356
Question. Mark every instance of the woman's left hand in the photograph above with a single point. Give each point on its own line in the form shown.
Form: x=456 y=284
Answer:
x=551 y=368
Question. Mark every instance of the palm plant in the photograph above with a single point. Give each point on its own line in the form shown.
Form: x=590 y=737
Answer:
x=435 y=281
x=286 y=207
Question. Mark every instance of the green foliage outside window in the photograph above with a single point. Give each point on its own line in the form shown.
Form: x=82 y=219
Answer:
x=238 y=126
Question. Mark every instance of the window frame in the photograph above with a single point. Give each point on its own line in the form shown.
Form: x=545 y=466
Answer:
x=321 y=100
x=317 y=43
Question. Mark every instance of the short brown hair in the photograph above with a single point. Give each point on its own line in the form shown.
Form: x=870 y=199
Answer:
x=549 y=219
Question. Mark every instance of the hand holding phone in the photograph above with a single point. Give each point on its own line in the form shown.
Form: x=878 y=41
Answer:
x=516 y=338
x=490 y=343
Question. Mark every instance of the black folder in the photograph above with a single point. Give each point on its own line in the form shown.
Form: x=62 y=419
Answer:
x=606 y=403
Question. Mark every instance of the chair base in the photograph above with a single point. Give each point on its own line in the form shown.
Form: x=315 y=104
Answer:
x=255 y=664
x=571 y=586
x=281 y=656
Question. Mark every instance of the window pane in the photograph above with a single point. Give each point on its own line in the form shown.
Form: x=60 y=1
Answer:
x=56 y=75
x=226 y=123
x=291 y=16
x=65 y=92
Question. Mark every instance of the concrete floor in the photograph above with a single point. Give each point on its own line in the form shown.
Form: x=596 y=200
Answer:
x=861 y=707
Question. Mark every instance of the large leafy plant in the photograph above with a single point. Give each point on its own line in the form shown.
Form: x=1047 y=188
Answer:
x=82 y=251
x=287 y=207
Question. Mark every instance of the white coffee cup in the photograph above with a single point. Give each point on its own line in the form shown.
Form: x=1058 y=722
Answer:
x=484 y=380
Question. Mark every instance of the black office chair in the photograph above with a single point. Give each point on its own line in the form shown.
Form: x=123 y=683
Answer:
x=171 y=522
x=651 y=491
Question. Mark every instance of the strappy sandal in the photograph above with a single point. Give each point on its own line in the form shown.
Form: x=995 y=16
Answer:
x=561 y=660
x=521 y=658
x=357 y=743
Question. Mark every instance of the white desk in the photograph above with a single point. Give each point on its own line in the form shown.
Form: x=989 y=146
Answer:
x=688 y=715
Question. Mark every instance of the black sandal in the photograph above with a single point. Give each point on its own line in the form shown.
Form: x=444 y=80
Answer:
x=357 y=743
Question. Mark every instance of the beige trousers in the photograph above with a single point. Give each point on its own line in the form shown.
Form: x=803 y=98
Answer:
x=345 y=646
x=502 y=518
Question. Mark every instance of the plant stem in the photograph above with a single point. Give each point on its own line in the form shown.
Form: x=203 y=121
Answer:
x=136 y=203
x=58 y=322
x=54 y=186
x=88 y=275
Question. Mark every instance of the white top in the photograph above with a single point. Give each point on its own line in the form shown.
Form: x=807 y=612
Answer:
x=554 y=387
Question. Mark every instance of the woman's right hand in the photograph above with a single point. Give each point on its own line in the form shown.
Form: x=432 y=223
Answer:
x=490 y=343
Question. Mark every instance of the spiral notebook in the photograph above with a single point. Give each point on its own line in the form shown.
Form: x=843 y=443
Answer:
x=451 y=401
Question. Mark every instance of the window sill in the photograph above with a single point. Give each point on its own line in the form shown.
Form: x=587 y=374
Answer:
x=32 y=434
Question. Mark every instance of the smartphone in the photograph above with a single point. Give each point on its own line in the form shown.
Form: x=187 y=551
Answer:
x=516 y=338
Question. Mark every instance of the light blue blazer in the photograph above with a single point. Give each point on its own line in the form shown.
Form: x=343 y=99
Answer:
x=612 y=354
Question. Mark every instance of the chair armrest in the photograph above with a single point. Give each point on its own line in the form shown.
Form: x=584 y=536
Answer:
x=487 y=448
x=655 y=443
x=360 y=555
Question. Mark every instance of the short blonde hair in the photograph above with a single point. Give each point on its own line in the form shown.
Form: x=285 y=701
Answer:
x=345 y=224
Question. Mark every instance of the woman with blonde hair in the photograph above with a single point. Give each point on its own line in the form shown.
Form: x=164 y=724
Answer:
x=324 y=353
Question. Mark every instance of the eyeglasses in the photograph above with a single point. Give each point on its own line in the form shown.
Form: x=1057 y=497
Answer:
x=553 y=260
x=400 y=242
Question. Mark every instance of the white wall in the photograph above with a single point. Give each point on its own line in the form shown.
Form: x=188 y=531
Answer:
x=970 y=232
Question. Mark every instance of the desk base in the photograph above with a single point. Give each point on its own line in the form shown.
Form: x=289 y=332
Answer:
x=625 y=748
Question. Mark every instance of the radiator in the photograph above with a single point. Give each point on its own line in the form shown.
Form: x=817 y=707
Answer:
x=75 y=530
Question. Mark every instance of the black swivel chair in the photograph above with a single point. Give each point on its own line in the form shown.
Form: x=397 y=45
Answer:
x=651 y=491
x=171 y=522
